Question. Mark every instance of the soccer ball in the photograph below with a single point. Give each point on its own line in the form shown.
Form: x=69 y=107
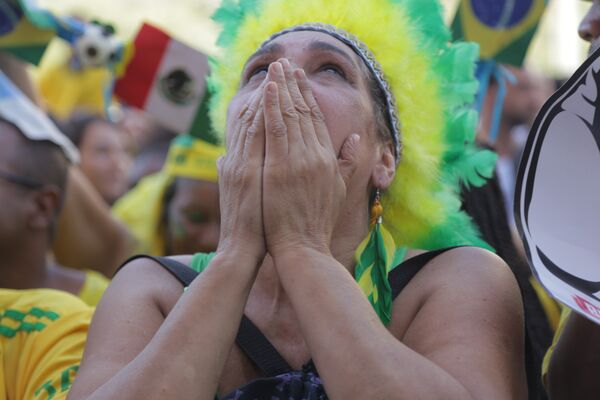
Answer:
x=96 y=47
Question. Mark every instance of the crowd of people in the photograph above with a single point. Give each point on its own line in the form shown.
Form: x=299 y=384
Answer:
x=342 y=241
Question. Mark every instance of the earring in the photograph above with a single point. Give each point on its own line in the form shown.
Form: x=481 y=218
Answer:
x=376 y=210
x=374 y=258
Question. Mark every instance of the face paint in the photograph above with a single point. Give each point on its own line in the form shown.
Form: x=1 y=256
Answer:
x=196 y=217
x=177 y=228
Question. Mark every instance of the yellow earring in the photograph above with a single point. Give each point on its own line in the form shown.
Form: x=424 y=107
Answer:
x=376 y=210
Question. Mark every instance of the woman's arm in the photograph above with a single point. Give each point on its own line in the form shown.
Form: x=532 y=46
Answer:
x=140 y=348
x=88 y=236
x=465 y=341
x=134 y=352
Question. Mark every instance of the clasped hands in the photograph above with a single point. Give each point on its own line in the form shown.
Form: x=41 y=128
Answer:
x=281 y=182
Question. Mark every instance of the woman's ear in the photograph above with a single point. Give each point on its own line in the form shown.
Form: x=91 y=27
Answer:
x=47 y=203
x=385 y=168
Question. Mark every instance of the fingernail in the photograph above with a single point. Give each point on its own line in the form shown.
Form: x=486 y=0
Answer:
x=355 y=138
x=271 y=89
x=243 y=110
x=299 y=73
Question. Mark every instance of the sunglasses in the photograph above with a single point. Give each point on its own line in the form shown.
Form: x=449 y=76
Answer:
x=22 y=181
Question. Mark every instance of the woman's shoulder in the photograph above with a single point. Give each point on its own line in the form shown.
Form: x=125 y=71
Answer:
x=150 y=264
x=468 y=278
x=463 y=264
x=147 y=279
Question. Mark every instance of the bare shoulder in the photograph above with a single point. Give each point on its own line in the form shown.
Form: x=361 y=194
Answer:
x=470 y=269
x=468 y=275
x=463 y=311
x=145 y=278
x=132 y=309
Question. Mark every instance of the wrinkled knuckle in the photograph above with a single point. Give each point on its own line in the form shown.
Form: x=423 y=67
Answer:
x=251 y=132
x=303 y=110
x=278 y=129
x=290 y=113
x=246 y=123
x=315 y=112
x=247 y=118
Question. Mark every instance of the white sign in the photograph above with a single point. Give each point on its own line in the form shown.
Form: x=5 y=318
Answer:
x=557 y=195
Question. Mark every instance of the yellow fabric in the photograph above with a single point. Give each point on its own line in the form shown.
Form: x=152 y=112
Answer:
x=141 y=210
x=564 y=316
x=94 y=286
x=551 y=307
x=65 y=90
x=41 y=363
x=142 y=207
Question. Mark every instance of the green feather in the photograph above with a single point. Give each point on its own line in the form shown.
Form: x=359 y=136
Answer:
x=474 y=168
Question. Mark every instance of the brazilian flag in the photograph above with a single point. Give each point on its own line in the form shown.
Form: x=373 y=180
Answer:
x=24 y=31
x=503 y=28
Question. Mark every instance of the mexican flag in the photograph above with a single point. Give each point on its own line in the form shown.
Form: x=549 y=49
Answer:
x=167 y=79
x=22 y=31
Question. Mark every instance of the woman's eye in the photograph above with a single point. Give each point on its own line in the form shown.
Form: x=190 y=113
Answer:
x=258 y=72
x=333 y=70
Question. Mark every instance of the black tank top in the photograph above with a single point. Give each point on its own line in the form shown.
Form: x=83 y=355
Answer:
x=280 y=381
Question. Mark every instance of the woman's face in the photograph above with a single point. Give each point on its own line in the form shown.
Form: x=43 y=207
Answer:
x=339 y=83
x=193 y=217
x=104 y=159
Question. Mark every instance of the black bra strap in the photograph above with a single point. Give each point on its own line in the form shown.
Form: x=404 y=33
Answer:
x=400 y=276
x=249 y=338
x=258 y=349
x=184 y=274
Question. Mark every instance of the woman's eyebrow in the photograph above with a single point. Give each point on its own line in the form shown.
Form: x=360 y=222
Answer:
x=319 y=45
x=271 y=48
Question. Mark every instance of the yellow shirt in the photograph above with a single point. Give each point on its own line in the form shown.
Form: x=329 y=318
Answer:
x=551 y=307
x=42 y=335
x=94 y=286
x=564 y=316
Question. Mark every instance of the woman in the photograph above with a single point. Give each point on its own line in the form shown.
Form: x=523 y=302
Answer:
x=176 y=211
x=312 y=139
x=104 y=157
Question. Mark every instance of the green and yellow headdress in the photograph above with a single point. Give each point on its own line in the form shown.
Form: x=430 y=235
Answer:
x=141 y=209
x=431 y=81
